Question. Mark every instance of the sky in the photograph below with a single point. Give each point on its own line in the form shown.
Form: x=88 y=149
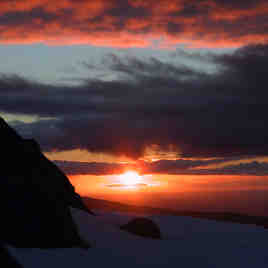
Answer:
x=174 y=90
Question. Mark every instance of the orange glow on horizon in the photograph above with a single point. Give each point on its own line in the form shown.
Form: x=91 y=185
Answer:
x=182 y=192
x=100 y=186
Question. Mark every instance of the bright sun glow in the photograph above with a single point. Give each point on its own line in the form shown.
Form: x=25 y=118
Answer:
x=130 y=178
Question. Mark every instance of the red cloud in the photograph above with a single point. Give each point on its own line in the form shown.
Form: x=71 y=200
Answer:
x=208 y=23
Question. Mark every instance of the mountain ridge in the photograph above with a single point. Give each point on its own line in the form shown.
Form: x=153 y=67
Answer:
x=109 y=206
x=35 y=196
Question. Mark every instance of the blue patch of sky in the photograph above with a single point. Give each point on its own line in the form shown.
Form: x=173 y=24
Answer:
x=62 y=64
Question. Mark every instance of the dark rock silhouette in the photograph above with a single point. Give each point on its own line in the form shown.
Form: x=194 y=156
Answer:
x=35 y=196
x=6 y=260
x=143 y=227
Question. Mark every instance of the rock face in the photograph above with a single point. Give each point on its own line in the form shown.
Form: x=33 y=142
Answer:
x=6 y=260
x=35 y=196
x=143 y=227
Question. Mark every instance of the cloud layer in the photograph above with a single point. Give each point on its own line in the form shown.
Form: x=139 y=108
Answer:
x=125 y=23
x=171 y=167
x=152 y=103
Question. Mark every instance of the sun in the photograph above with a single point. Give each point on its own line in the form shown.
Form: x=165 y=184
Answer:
x=130 y=178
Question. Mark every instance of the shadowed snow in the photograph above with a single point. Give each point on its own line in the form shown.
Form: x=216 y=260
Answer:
x=187 y=242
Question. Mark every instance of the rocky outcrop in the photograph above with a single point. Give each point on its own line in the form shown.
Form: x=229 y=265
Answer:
x=6 y=260
x=142 y=227
x=35 y=196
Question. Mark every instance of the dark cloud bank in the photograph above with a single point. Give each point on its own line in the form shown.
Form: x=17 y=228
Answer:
x=170 y=167
x=223 y=114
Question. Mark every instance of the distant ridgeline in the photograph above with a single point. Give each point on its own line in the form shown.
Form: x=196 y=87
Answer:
x=35 y=196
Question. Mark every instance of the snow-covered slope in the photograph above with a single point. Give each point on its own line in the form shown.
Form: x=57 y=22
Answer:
x=187 y=242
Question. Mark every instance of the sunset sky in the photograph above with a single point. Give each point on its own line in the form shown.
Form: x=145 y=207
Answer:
x=173 y=90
